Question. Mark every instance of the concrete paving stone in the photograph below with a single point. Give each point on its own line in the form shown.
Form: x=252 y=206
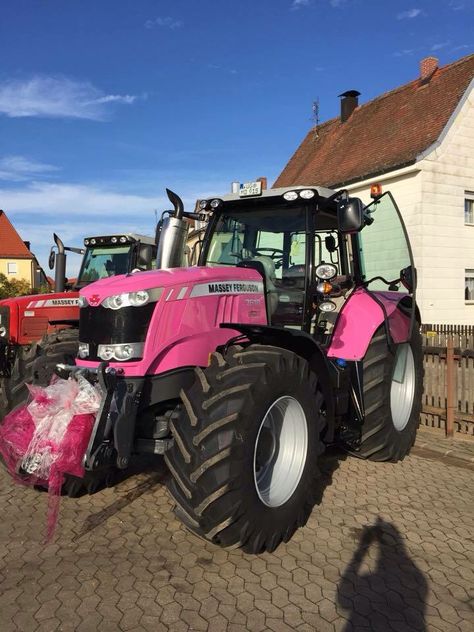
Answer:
x=256 y=620
x=277 y=625
x=122 y=562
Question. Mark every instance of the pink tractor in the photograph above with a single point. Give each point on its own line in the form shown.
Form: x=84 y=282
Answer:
x=297 y=330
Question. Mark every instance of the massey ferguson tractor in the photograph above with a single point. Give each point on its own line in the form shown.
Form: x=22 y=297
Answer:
x=297 y=330
x=37 y=332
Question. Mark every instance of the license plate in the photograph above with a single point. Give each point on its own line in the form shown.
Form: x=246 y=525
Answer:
x=250 y=188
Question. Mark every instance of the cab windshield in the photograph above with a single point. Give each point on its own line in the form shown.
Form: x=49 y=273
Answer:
x=103 y=262
x=273 y=233
x=275 y=238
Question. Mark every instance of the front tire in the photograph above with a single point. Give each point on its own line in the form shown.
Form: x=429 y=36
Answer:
x=393 y=387
x=244 y=464
x=34 y=364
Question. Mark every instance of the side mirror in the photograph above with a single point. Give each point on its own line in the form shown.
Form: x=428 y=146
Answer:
x=408 y=278
x=51 y=259
x=330 y=243
x=350 y=216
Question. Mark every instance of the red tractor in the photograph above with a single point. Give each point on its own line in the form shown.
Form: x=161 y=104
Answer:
x=37 y=332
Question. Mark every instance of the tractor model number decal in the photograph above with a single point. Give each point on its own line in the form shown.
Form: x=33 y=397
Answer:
x=229 y=287
x=55 y=302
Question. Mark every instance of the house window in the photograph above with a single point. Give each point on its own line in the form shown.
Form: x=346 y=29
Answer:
x=469 y=286
x=469 y=207
x=12 y=267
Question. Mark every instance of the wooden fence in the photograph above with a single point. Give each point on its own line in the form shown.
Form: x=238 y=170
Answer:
x=448 y=397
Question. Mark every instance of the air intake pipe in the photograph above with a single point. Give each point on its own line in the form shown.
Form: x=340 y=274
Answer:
x=171 y=234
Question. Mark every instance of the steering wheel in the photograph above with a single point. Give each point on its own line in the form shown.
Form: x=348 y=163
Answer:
x=274 y=253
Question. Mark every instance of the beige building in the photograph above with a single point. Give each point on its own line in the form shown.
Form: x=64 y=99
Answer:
x=417 y=141
x=16 y=259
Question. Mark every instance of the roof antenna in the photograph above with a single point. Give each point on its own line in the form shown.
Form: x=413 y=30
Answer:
x=315 y=117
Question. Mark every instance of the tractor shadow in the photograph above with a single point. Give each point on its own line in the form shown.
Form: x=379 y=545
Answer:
x=149 y=476
x=394 y=592
x=329 y=462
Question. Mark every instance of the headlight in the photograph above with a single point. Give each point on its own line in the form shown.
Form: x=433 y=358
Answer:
x=216 y=203
x=203 y=205
x=307 y=194
x=290 y=196
x=114 y=240
x=326 y=271
x=3 y=331
x=139 y=298
x=83 y=350
x=132 y=299
x=122 y=352
x=83 y=302
x=123 y=240
x=327 y=306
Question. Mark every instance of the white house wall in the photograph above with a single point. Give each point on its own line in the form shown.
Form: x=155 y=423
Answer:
x=448 y=244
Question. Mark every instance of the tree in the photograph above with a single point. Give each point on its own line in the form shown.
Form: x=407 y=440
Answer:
x=13 y=287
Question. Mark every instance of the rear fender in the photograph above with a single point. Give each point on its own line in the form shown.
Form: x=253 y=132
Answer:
x=362 y=315
x=304 y=345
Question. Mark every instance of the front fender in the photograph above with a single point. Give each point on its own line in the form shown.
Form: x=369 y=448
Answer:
x=362 y=315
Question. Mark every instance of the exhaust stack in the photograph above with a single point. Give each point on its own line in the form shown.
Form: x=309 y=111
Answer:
x=60 y=265
x=171 y=234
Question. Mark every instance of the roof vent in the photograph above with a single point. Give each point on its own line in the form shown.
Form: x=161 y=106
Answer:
x=349 y=102
x=428 y=65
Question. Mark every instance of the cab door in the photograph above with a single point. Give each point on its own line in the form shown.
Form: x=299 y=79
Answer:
x=385 y=259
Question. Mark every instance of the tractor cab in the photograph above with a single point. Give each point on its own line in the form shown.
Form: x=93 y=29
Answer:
x=309 y=247
x=112 y=255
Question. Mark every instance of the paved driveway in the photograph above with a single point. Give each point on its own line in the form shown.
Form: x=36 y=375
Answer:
x=390 y=547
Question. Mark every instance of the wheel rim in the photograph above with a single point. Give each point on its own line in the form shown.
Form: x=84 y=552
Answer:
x=402 y=391
x=280 y=451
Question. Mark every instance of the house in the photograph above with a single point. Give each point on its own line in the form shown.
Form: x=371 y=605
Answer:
x=418 y=142
x=16 y=259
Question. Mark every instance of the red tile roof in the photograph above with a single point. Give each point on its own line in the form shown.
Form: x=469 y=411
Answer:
x=11 y=244
x=388 y=132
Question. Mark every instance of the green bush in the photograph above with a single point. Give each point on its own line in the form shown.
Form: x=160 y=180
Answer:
x=13 y=287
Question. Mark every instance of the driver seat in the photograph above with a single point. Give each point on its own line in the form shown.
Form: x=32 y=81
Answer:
x=270 y=279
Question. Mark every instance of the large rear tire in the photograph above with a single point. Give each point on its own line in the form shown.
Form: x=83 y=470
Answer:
x=393 y=386
x=34 y=364
x=244 y=464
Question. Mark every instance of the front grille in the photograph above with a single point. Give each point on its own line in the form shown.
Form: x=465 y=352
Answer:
x=102 y=326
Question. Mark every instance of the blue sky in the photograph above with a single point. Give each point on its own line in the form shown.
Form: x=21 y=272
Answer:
x=105 y=103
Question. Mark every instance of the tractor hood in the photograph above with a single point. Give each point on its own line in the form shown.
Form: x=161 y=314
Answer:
x=184 y=277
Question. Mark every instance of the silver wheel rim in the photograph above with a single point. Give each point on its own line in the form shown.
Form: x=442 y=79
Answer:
x=402 y=391
x=280 y=451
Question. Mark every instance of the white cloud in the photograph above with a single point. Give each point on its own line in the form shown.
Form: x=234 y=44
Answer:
x=75 y=211
x=299 y=4
x=167 y=22
x=56 y=97
x=404 y=52
x=19 y=168
x=409 y=15
x=440 y=45
x=460 y=47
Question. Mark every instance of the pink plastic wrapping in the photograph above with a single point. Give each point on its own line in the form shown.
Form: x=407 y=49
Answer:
x=46 y=439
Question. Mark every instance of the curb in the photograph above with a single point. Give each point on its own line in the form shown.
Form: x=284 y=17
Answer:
x=443 y=450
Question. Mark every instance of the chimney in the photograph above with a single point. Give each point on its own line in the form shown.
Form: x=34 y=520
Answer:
x=27 y=244
x=349 y=102
x=427 y=67
x=263 y=180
